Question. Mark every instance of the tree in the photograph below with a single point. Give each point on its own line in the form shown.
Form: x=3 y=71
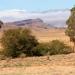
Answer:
x=17 y=41
x=1 y=23
x=70 y=31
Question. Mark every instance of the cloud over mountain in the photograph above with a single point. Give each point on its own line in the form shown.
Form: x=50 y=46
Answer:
x=54 y=17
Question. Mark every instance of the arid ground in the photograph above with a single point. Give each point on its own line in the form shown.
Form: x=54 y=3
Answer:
x=56 y=65
x=46 y=35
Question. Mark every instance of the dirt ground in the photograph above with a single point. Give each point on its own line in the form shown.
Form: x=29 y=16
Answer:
x=56 y=65
x=41 y=70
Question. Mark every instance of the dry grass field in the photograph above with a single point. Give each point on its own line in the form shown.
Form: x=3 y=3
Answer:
x=46 y=35
x=57 y=65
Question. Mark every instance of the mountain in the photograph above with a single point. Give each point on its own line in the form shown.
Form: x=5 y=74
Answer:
x=55 y=18
x=34 y=23
x=27 y=22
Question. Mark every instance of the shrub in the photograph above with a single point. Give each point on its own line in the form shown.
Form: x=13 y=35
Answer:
x=57 y=47
x=40 y=50
x=52 y=48
x=17 y=41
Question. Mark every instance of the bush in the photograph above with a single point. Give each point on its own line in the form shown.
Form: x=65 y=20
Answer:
x=52 y=48
x=17 y=41
x=57 y=47
x=40 y=50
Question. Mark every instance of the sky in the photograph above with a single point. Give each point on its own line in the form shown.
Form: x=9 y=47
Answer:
x=36 y=5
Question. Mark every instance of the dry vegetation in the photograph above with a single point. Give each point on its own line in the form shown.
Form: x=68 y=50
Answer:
x=57 y=65
x=46 y=35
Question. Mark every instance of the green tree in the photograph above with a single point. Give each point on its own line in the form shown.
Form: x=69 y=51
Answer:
x=17 y=41
x=70 y=31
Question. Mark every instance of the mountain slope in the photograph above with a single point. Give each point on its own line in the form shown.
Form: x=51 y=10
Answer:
x=30 y=23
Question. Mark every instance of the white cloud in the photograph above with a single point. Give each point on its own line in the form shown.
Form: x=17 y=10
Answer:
x=49 y=16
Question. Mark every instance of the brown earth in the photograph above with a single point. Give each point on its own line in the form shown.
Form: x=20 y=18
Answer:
x=46 y=35
x=56 y=65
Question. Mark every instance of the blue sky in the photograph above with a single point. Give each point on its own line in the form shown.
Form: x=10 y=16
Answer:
x=36 y=5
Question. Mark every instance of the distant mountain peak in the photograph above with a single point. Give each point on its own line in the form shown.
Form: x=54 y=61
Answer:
x=28 y=21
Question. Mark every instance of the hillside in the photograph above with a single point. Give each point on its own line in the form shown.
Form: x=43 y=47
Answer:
x=30 y=23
